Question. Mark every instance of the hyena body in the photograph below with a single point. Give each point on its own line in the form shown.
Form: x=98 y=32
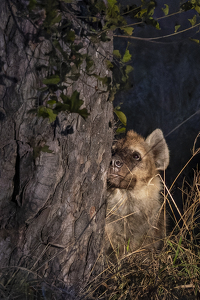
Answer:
x=134 y=211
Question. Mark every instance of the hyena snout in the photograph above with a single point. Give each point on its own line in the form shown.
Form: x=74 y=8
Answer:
x=118 y=172
x=116 y=162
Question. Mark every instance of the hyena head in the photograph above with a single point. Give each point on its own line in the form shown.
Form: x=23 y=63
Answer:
x=135 y=161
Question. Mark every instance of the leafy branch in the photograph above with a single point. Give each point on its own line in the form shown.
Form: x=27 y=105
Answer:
x=54 y=21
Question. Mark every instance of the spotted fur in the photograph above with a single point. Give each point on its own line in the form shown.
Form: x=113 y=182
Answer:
x=135 y=216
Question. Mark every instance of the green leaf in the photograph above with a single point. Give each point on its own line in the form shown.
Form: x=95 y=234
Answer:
x=151 y=11
x=112 y=2
x=197 y=8
x=74 y=77
x=128 y=30
x=195 y=40
x=121 y=130
x=166 y=9
x=57 y=19
x=94 y=39
x=64 y=98
x=113 y=92
x=46 y=149
x=32 y=111
x=128 y=69
x=177 y=28
x=117 y=54
x=93 y=19
x=51 y=103
x=61 y=107
x=47 y=113
x=70 y=36
x=67 y=1
x=73 y=104
x=113 y=17
x=38 y=149
x=113 y=7
x=121 y=116
x=89 y=63
x=124 y=78
x=104 y=37
x=64 y=69
x=109 y=64
x=83 y=113
x=43 y=89
x=157 y=25
x=177 y=250
x=127 y=247
x=171 y=245
x=52 y=116
x=153 y=22
x=127 y=56
x=113 y=27
x=32 y=4
x=100 y=5
x=42 y=112
x=57 y=45
x=193 y=20
x=186 y=6
x=105 y=80
x=54 y=79
x=118 y=107
x=141 y=13
x=78 y=46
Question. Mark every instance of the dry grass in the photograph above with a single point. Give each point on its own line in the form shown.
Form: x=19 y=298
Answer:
x=174 y=272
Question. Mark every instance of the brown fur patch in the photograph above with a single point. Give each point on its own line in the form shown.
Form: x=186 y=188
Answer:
x=134 y=215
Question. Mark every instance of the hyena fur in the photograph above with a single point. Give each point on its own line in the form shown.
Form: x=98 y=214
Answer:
x=135 y=215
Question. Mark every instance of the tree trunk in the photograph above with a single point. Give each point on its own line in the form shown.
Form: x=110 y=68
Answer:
x=52 y=203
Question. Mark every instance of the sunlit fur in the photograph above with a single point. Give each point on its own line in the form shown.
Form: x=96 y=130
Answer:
x=134 y=207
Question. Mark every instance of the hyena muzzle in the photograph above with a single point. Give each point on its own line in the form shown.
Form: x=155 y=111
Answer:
x=135 y=215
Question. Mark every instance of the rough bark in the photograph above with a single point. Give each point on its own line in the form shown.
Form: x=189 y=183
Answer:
x=52 y=204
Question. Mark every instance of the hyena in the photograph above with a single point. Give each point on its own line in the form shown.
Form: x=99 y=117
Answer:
x=135 y=217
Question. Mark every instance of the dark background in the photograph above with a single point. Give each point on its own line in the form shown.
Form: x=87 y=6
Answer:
x=165 y=87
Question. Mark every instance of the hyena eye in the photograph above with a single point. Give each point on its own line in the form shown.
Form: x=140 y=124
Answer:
x=136 y=156
x=118 y=163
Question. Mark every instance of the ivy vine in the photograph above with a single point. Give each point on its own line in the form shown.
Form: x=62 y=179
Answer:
x=96 y=18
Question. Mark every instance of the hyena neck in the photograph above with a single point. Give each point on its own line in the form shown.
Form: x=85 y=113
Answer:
x=144 y=195
x=151 y=189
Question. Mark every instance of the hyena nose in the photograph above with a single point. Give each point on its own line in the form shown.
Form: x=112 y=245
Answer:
x=116 y=163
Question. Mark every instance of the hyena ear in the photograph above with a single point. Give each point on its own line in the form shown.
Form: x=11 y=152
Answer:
x=158 y=146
